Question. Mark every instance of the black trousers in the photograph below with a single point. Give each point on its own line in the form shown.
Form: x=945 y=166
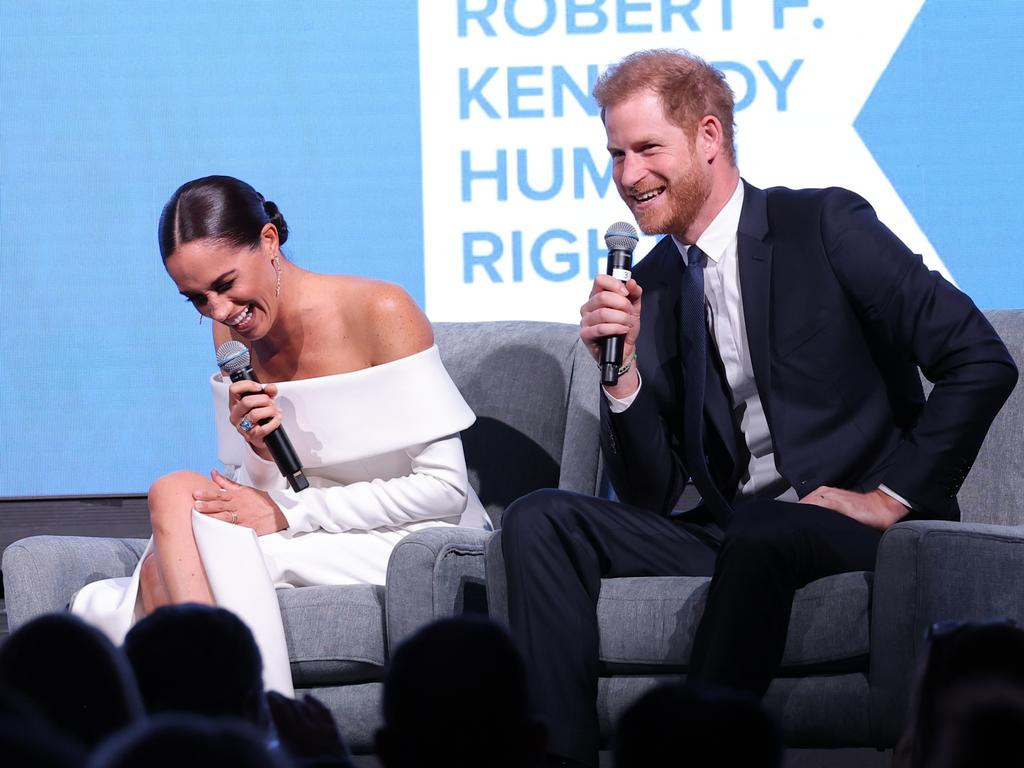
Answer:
x=557 y=547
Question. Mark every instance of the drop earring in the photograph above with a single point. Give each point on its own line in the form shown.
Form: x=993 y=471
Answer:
x=200 y=319
x=277 y=268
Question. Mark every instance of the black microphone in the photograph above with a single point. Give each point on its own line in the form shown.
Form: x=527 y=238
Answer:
x=621 y=238
x=233 y=361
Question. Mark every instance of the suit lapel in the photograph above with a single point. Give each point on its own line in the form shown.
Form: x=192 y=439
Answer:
x=755 y=266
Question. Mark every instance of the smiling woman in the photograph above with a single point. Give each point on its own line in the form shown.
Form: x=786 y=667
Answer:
x=340 y=351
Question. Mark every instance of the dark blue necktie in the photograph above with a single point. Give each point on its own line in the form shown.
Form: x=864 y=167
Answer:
x=695 y=359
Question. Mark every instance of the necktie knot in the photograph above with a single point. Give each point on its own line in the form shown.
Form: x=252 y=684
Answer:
x=694 y=256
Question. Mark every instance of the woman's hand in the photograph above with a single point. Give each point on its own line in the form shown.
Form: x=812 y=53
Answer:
x=250 y=403
x=241 y=505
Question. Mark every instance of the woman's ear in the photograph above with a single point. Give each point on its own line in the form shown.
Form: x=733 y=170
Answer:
x=269 y=238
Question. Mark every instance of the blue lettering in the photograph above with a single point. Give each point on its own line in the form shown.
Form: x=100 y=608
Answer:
x=670 y=9
x=471 y=259
x=540 y=29
x=598 y=254
x=516 y=91
x=780 y=10
x=517 y=256
x=625 y=7
x=582 y=161
x=570 y=259
x=748 y=76
x=556 y=176
x=479 y=16
x=781 y=86
x=575 y=8
x=499 y=174
x=726 y=15
x=561 y=80
x=468 y=95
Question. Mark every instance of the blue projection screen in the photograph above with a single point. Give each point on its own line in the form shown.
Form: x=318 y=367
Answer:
x=449 y=146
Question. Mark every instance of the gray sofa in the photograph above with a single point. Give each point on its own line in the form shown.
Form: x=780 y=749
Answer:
x=854 y=638
x=534 y=390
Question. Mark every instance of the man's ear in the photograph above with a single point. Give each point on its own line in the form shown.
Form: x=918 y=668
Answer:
x=710 y=137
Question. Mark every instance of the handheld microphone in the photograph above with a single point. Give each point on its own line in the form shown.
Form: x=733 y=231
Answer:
x=233 y=361
x=621 y=238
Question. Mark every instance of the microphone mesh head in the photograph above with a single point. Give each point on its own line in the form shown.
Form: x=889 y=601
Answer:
x=232 y=356
x=621 y=237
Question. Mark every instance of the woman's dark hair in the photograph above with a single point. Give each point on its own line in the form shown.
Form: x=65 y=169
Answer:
x=219 y=208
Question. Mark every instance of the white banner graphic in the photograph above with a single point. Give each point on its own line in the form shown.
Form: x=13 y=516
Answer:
x=517 y=182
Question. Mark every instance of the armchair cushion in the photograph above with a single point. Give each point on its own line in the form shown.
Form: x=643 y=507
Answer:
x=648 y=623
x=334 y=634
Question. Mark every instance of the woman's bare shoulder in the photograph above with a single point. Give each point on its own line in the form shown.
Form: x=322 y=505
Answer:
x=385 y=317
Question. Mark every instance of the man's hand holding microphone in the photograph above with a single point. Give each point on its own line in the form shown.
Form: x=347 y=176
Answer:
x=610 y=320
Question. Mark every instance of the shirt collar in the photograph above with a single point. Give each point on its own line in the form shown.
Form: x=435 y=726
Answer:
x=721 y=232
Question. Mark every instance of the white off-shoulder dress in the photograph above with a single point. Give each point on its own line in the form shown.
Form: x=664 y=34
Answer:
x=381 y=450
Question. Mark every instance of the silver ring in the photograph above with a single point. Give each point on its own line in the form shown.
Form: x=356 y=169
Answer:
x=245 y=425
x=234 y=516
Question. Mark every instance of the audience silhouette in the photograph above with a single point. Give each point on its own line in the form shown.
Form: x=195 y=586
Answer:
x=72 y=675
x=455 y=695
x=204 y=660
x=982 y=725
x=198 y=659
x=176 y=740
x=683 y=725
x=27 y=737
x=964 y=662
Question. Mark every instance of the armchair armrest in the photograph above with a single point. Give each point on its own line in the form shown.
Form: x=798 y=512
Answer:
x=41 y=573
x=433 y=574
x=929 y=571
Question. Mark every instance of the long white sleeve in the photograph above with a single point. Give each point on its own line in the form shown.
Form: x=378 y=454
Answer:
x=435 y=488
x=397 y=422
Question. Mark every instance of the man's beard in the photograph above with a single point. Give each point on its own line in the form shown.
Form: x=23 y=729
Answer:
x=686 y=197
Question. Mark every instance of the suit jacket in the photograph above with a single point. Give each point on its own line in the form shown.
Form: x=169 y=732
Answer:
x=839 y=317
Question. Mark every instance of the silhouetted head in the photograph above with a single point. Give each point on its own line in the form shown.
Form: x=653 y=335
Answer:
x=687 y=725
x=73 y=675
x=172 y=741
x=456 y=695
x=959 y=654
x=981 y=724
x=28 y=738
x=198 y=659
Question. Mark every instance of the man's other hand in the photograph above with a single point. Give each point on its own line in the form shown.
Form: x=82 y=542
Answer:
x=876 y=508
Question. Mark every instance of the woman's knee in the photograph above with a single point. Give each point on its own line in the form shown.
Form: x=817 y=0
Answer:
x=170 y=497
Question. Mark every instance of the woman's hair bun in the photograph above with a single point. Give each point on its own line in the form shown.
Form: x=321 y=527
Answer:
x=275 y=217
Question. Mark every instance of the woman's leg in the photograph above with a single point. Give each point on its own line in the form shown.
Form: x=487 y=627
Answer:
x=151 y=585
x=176 y=574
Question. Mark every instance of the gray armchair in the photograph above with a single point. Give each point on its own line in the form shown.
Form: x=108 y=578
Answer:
x=534 y=391
x=854 y=638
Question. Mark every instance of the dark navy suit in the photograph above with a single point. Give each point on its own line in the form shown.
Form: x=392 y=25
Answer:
x=839 y=317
